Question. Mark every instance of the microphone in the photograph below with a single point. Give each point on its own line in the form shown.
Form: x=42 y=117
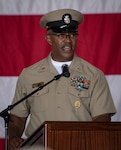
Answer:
x=65 y=70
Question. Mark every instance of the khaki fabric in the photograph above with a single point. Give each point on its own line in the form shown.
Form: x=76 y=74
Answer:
x=60 y=101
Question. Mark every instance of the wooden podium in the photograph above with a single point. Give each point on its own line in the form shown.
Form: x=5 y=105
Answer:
x=77 y=136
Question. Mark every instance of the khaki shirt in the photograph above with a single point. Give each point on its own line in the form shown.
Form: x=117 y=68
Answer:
x=85 y=94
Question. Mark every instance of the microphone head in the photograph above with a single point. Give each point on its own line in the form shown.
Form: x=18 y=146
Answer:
x=65 y=70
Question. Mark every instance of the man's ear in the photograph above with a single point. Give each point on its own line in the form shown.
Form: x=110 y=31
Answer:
x=48 y=38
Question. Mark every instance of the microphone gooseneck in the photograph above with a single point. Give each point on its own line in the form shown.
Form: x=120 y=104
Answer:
x=65 y=71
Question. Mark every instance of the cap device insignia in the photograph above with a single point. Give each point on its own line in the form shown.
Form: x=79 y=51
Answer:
x=66 y=18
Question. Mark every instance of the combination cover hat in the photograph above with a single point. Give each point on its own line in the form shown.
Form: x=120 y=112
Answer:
x=63 y=20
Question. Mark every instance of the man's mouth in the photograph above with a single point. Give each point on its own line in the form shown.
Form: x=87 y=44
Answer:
x=67 y=48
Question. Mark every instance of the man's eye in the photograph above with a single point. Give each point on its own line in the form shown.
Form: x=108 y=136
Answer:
x=72 y=35
x=61 y=35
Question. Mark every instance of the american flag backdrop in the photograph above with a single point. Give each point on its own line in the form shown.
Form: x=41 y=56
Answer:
x=22 y=41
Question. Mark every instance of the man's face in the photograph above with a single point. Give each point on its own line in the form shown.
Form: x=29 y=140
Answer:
x=63 y=45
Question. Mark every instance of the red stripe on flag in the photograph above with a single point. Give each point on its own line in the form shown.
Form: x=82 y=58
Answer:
x=22 y=42
x=100 y=41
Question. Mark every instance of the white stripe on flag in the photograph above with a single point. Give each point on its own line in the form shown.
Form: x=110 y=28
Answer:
x=43 y=6
x=114 y=82
x=7 y=89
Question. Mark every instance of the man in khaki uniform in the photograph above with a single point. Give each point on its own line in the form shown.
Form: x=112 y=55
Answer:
x=80 y=95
